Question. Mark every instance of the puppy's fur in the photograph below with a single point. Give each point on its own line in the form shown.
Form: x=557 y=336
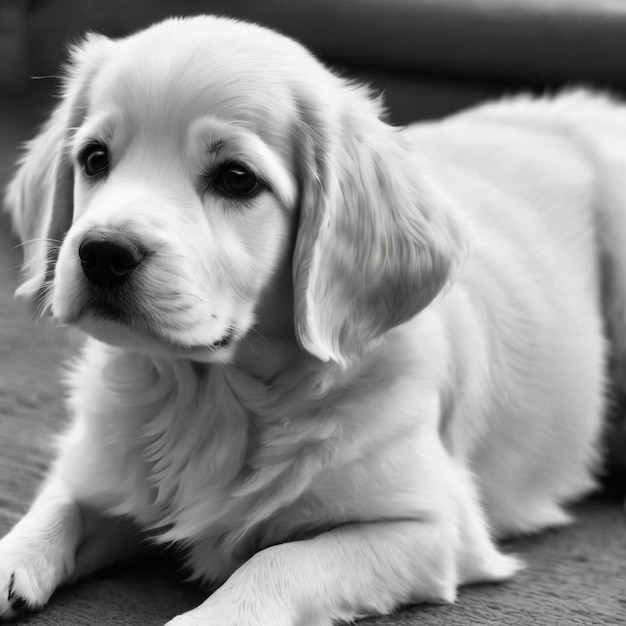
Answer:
x=334 y=391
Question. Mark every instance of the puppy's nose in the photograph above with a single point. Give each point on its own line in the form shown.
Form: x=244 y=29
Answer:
x=108 y=259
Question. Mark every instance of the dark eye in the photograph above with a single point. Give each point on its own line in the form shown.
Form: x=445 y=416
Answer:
x=95 y=159
x=237 y=180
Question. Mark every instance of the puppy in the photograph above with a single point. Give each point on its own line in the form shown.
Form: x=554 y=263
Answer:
x=332 y=359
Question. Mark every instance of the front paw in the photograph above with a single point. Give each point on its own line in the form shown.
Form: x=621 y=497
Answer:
x=22 y=591
x=28 y=577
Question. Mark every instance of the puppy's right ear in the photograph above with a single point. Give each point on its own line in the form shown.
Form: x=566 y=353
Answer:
x=39 y=199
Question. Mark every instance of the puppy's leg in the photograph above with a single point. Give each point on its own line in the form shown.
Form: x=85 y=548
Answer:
x=351 y=571
x=56 y=542
x=38 y=554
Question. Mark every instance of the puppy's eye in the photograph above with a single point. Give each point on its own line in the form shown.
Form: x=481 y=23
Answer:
x=237 y=180
x=94 y=159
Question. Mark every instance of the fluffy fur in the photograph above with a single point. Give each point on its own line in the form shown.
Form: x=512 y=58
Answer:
x=337 y=391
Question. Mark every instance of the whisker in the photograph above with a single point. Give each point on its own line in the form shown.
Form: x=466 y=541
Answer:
x=56 y=242
x=268 y=342
x=46 y=77
x=268 y=321
x=53 y=251
x=44 y=299
x=51 y=255
x=260 y=334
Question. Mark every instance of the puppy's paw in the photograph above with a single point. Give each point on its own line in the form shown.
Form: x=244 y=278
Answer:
x=28 y=577
x=22 y=591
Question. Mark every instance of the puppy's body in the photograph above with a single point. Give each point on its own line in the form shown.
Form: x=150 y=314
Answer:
x=430 y=373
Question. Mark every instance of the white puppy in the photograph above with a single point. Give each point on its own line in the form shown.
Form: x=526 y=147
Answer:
x=331 y=358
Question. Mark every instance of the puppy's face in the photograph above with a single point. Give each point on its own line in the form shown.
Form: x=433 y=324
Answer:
x=184 y=202
x=211 y=181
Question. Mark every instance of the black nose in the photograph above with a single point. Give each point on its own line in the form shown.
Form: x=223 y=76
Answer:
x=108 y=259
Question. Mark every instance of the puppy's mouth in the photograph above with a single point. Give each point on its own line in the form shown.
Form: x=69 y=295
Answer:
x=224 y=342
x=202 y=352
x=118 y=322
x=107 y=309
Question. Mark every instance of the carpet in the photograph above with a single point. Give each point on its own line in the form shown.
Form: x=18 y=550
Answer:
x=574 y=576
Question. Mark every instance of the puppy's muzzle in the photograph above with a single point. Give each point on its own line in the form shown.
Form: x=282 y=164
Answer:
x=108 y=259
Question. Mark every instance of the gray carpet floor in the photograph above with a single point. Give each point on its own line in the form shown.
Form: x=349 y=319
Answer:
x=575 y=576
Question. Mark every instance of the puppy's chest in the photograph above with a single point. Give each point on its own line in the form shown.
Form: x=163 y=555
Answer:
x=227 y=466
x=192 y=446
x=213 y=471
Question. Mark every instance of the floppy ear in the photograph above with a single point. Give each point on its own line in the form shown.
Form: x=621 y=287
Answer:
x=376 y=243
x=40 y=196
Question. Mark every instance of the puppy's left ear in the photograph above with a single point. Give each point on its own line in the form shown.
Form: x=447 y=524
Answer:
x=40 y=196
x=376 y=241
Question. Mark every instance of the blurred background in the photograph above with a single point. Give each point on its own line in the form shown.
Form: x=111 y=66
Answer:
x=429 y=58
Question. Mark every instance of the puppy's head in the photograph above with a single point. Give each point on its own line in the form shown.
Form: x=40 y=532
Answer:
x=205 y=178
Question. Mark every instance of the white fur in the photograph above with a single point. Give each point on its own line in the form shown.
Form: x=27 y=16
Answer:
x=418 y=362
